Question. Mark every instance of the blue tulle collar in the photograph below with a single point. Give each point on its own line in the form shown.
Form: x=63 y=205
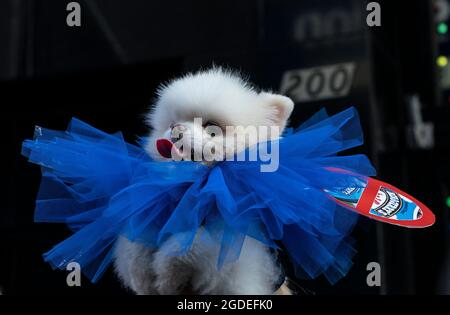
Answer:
x=103 y=187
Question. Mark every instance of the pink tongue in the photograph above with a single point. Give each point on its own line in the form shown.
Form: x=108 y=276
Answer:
x=164 y=147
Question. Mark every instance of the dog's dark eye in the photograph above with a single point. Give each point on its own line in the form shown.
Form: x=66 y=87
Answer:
x=210 y=123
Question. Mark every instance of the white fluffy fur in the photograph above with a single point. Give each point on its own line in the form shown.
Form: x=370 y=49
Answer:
x=225 y=98
x=154 y=272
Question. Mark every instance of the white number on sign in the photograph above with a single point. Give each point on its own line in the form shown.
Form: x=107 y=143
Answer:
x=318 y=83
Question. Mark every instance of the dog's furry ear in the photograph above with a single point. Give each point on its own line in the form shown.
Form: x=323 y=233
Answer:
x=282 y=107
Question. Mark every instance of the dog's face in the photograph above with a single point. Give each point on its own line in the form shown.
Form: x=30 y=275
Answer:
x=214 y=109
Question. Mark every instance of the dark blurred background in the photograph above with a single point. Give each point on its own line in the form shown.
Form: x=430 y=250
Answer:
x=320 y=53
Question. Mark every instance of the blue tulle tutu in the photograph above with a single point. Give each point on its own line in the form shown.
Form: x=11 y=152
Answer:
x=103 y=187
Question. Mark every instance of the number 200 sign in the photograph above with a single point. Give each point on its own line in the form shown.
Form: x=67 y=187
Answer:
x=318 y=83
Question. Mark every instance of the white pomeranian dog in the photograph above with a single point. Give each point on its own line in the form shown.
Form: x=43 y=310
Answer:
x=221 y=99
